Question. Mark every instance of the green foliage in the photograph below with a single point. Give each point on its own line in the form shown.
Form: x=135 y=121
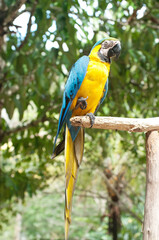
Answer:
x=31 y=88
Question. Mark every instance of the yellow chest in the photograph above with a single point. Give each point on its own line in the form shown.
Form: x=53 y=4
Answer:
x=92 y=87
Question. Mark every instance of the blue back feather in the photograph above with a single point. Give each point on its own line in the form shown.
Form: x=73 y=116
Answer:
x=75 y=79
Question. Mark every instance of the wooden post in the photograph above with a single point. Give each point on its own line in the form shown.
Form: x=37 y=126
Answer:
x=151 y=216
x=149 y=125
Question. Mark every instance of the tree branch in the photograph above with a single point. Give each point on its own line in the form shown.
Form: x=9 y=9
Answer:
x=33 y=123
x=118 y=123
x=11 y=13
x=28 y=26
x=133 y=16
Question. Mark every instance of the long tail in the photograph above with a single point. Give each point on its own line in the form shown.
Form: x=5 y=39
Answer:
x=73 y=159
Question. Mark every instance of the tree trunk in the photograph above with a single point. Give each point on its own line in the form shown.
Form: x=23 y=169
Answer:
x=151 y=217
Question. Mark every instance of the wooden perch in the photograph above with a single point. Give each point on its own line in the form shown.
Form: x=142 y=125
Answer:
x=148 y=125
x=118 y=123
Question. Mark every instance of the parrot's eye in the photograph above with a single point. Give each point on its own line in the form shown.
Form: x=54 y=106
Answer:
x=107 y=44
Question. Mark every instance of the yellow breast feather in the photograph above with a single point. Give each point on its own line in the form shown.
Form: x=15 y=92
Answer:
x=92 y=86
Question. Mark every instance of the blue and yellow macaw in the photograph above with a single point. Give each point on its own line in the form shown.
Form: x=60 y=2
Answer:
x=85 y=90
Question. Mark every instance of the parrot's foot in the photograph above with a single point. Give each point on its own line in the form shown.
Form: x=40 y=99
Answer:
x=82 y=103
x=92 y=118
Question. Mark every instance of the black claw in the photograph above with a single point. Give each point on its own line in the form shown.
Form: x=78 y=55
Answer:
x=82 y=103
x=92 y=118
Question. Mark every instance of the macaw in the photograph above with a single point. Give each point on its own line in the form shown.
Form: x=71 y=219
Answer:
x=85 y=90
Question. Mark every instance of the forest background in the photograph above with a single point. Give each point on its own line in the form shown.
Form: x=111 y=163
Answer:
x=39 y=42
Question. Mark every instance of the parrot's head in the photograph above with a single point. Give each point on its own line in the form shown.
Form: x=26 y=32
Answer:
x=108 y=48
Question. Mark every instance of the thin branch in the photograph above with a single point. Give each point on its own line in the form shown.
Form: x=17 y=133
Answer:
x=133 y=16
x=16 y=26
x=11 y=13
x=154 y=19
x=153 y=26
x=28 y=26
x=89 y=193
x=135 y=84
x=118 y=123
x=33 y=123
x=88 y=196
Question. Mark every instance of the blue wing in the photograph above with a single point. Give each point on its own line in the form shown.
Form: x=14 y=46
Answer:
x=105 y=92
x=75 y=79
x=104 y=95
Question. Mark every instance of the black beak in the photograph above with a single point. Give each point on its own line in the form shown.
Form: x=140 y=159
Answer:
x=115 y=50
